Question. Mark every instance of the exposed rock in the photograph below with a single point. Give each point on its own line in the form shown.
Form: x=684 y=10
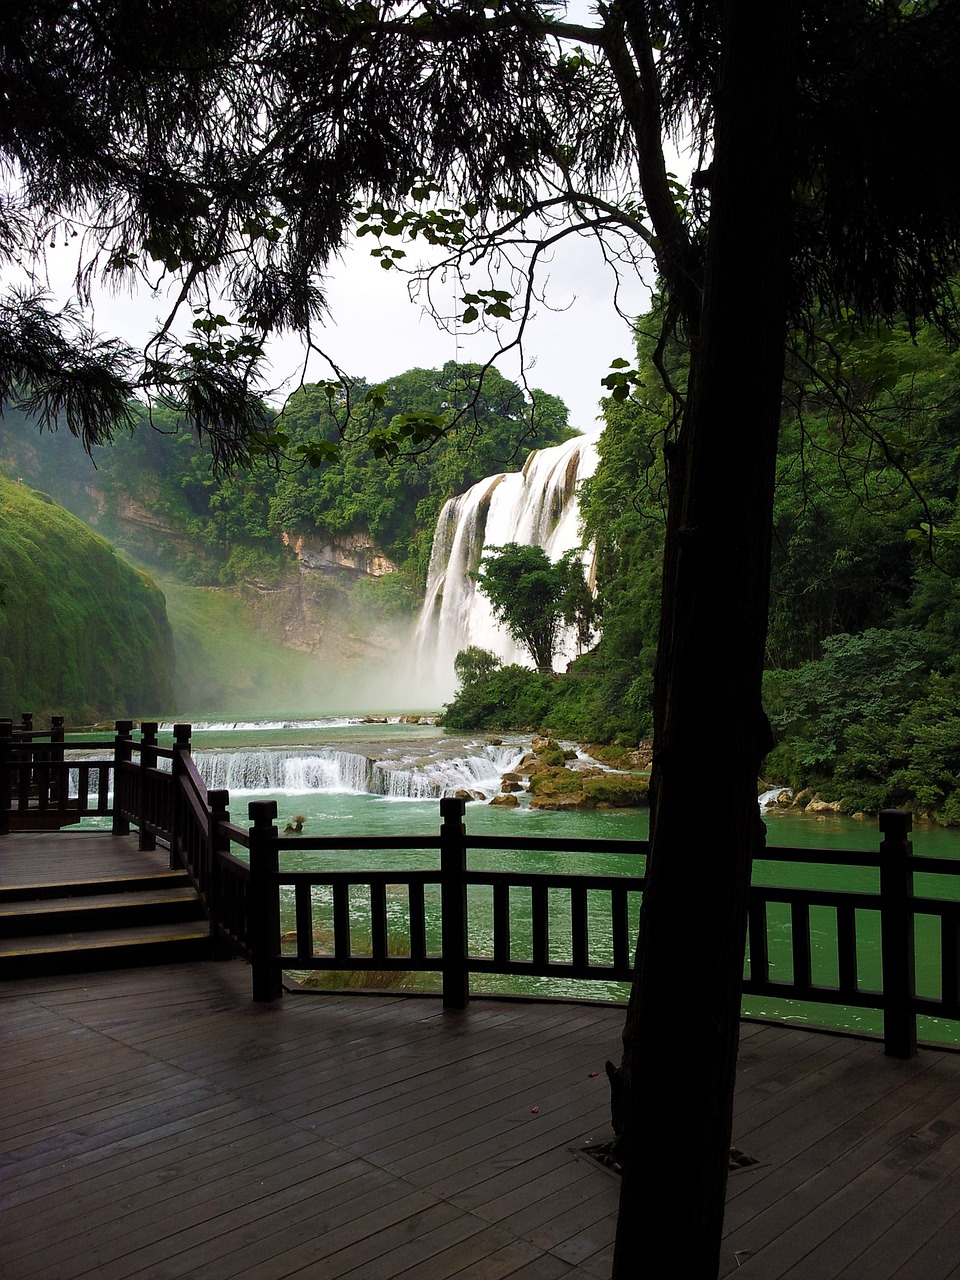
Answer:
x=353 y=553
x=561 y=788
x=505 y=802
x=785 y=797
x=816 y=805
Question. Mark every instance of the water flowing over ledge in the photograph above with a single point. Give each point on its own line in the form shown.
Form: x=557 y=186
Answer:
x=395 y=776
x=536 y=506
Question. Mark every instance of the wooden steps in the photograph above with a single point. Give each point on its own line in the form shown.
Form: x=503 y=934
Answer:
x=101 y=923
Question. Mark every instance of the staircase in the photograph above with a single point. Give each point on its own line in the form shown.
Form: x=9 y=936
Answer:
x=114 y=922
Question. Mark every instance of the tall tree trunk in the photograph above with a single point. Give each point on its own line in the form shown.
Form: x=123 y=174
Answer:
x=673 y=1092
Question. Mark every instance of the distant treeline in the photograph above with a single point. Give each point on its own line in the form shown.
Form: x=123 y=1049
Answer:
x=222 y=530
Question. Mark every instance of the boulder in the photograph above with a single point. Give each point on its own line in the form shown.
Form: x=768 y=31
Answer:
x=816 y=805
x=505 y=802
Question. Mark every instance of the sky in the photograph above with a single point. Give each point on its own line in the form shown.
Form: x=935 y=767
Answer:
x=373 y=330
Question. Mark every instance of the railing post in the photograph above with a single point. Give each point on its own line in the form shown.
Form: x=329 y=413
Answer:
x=181 y=748
x=122 y=754
x=58 y=776
x=216 y=844
x=6 y=781
x=453 y=904
x=896 y=934
x=264 y=901
x=147 y=789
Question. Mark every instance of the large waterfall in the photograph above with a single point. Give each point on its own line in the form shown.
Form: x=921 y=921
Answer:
x=535 y=506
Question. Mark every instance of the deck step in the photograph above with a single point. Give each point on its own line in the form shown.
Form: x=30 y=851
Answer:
x=90 y=950
x=92 y=886
x=100 y=911
x=113 y=921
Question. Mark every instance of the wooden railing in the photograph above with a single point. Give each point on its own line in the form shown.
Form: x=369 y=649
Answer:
x=455 y=919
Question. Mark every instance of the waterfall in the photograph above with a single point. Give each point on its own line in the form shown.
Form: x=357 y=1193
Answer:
x=536 y=506
x=325 y=769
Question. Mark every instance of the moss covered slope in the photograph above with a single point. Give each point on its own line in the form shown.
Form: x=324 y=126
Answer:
x=81 y=632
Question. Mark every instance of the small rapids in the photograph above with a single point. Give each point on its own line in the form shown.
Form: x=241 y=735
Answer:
x=404 y=776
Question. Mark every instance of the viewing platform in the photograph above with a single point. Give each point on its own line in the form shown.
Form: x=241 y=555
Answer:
x=180 y=1120
x=158 y=1123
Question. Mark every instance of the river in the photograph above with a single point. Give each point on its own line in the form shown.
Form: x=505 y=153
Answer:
x=351 y=776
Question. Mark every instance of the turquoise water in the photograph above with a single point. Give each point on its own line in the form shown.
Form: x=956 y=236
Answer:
x=322 y=765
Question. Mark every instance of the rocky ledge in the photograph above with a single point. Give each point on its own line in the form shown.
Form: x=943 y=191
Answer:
x=555 y=778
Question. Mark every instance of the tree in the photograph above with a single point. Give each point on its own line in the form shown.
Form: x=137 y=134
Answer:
x=533 y=597
x=229 y=150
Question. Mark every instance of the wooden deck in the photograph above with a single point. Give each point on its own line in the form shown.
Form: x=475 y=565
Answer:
x=156 y=1123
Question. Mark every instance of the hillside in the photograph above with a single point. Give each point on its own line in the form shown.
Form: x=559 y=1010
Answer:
x=81 y=632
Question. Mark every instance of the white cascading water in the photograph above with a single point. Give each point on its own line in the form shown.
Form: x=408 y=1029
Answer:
x=331 y=771
x=536 y=507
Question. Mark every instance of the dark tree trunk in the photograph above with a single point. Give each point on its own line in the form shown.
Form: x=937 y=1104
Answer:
x=673 y=1092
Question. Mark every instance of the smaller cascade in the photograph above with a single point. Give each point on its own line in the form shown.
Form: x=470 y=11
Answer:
x=536 y=507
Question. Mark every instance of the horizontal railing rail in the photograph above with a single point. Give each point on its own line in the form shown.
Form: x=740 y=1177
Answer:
x=859 y=947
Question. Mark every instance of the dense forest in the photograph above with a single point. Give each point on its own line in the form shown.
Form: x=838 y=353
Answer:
x=251 y=629
x=230 y=527
x=81 y=632
x=863 y=682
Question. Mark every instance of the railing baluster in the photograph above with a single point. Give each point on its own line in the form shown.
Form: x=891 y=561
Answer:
x=540 y=925
x=378 y=921
x=759 y=942
x=453 y=904
x=341 y=920
x=122 y=755
x=148 y=762
x=950 y=959
x=83 y=787
x=263 y=901
x=620 y=926
x=418 y=921
x=578 y=929
x=897 y=935
x=800 y=944
x=847 y=949
x=304 y=909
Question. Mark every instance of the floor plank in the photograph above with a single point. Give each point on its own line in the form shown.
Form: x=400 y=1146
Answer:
x=157 y=1125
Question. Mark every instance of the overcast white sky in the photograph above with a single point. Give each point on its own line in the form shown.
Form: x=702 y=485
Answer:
x=375 y=331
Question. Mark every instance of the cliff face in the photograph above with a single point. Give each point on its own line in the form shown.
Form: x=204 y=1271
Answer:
x=81 y=631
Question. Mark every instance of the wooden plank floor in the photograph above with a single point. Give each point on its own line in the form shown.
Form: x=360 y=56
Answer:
x=61 y=857
x=155 y=1123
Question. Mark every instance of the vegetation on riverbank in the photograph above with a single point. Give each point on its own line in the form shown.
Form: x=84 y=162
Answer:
x=82 y=633
x=863 y=687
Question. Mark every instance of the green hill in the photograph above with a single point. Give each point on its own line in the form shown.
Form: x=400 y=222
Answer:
x=81 y=632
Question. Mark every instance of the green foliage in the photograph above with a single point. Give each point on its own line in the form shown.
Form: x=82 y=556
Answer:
x=510 y=697
x=532 y=597
x=81 y=632
x=484 y=428
x=227 y=528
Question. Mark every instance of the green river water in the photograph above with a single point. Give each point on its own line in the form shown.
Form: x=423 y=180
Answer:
x=311 y=768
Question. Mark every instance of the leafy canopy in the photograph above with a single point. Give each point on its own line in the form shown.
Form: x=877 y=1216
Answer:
x=220 y=154
x=533 y=597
